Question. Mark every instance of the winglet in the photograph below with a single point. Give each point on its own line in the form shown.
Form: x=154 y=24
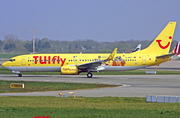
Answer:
x=112 y=55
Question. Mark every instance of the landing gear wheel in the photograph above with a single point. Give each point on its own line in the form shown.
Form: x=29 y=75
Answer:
x=19 y=75
x=89 y=75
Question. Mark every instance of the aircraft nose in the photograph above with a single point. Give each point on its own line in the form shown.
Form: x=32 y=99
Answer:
x=3 y=64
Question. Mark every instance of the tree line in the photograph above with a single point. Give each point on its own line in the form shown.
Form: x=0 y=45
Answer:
x=11 y=44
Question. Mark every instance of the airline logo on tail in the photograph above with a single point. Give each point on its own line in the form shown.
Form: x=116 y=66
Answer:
x=162 y=43
x=176 y=49
x=163 y=47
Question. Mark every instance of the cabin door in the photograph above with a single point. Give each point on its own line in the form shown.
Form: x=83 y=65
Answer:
x=144 y=60
x=23 y=61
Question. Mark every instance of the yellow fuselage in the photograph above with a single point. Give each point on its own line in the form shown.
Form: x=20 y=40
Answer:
x=59 y=60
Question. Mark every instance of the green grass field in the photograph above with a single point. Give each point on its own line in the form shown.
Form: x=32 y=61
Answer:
x=103 y=107
x=47 y=86
x=7 y=56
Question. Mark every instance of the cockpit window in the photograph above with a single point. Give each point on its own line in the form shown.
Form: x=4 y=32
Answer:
x=12 y=60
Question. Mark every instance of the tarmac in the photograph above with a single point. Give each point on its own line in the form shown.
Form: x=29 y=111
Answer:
x=133 y=85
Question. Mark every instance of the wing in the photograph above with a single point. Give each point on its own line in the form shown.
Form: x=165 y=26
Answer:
x=96 y=65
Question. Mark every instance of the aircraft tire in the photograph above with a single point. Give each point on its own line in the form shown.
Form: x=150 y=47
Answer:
x=19 y=75
x=89 y=75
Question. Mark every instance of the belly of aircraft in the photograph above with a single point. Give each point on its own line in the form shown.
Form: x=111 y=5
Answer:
x=35 y=69
x=58 y=68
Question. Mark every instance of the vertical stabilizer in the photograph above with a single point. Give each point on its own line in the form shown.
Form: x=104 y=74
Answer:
x=176 y=49
x=162 y=43
x=138 y=48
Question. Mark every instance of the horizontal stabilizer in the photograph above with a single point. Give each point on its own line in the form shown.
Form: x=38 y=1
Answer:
x=167 y=55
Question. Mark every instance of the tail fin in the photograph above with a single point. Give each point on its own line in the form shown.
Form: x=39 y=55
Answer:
x=162 y=43
x=176 y=49
x=138 y=48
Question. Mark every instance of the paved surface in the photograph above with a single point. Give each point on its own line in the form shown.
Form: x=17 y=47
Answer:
x=134 y=85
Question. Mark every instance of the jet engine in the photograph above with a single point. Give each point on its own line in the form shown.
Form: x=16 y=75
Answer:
x=69 y=70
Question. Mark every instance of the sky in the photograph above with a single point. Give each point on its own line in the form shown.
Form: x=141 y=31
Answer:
x=100 y=20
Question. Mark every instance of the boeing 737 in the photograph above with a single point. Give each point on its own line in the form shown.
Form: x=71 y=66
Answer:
x=73 y=64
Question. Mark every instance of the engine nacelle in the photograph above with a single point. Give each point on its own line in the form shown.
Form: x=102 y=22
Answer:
x=69 y=70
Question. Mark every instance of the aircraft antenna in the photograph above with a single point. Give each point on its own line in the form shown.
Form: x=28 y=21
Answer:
x=33 y=39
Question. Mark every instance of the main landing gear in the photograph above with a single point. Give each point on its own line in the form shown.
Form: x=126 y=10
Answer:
x=89 y=75
x=19 y=75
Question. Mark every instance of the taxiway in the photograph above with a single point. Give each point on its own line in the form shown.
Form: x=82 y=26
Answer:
x=133 y=85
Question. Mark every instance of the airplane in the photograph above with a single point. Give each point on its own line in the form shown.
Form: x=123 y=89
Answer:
x=176 y=49
x=138 y=48
x=73 y=64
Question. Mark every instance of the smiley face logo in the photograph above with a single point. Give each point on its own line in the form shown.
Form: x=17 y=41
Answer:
x=161 y=46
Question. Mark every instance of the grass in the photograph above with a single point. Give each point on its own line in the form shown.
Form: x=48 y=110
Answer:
x=7 y=56
x=103 y=107
x=47 y=86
